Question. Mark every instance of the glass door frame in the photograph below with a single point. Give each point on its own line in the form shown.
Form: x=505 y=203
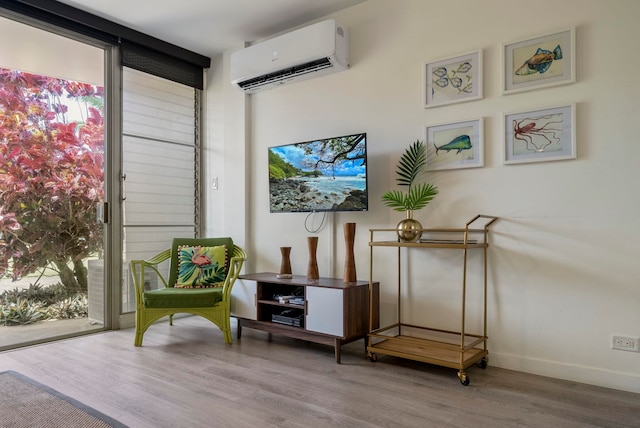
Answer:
x=113 y=190
x=112 y=263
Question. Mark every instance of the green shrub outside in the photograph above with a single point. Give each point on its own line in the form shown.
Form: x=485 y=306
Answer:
x=37 y=303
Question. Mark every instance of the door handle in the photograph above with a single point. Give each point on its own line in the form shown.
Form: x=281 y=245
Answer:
x=123 y=178
x=102 y=212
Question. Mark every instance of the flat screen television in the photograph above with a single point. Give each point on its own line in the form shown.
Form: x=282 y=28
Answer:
x=320 y=175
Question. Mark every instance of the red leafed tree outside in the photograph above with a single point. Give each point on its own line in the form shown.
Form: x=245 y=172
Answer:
x=51 y=175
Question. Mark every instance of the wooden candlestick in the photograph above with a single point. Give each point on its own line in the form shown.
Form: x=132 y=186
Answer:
x=349 y=261
x=312 y=269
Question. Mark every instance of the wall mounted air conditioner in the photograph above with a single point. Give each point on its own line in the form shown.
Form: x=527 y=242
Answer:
x=313 y=51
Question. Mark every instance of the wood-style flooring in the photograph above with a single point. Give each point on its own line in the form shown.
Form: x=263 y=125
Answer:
x=185 y=376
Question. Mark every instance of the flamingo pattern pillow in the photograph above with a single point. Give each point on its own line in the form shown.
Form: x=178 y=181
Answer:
x=201 y=267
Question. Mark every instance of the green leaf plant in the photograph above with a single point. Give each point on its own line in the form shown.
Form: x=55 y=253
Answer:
x=51 y=176
x=410 y=166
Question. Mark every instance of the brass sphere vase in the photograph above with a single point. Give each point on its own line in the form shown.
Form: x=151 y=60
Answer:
x=409 y=229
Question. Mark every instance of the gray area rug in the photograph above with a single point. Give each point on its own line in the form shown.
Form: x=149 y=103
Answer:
x=27 y=403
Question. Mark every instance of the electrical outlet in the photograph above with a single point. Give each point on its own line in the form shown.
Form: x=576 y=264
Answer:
x=625 y=343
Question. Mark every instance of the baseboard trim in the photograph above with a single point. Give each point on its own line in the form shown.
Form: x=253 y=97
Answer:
x=590 y=375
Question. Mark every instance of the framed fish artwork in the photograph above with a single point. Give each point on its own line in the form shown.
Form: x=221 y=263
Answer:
x=453 y=80
x=539 y=62
x=540 y=135
x=455 y=145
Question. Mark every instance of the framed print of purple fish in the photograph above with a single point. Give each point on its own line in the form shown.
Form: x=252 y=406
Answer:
x=455 y=145
x=540 y=135
x=457 y=76
x=539 y=62
x=453 y=80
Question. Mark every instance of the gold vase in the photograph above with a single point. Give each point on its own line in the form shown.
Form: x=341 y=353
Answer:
x=409 y=229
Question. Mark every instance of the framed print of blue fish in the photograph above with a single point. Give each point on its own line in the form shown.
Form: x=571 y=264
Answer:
x=455 y=145
x=453 y=80
x=539 y=62
x=540 y=135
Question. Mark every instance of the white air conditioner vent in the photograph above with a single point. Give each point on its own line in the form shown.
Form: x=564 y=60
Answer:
x=282 y=75
x=312 y=51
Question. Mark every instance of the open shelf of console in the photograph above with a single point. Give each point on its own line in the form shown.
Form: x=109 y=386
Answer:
x=328 y=311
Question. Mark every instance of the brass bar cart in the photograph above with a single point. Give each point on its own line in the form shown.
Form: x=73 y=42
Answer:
x=453 y=349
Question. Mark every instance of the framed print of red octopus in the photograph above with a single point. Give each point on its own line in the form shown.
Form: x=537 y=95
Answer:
x=540 y=135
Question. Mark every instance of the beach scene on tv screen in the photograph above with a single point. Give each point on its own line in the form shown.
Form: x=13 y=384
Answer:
x=322 y=175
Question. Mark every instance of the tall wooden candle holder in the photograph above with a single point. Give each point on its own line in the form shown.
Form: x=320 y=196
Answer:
x=285 y=263
x=312 y=269
x=349 y=261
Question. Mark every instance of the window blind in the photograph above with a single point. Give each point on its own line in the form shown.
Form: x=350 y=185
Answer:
x=138 y=50
x=160 y=162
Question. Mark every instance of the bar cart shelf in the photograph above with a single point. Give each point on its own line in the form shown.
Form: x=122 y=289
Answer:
x=453 y=349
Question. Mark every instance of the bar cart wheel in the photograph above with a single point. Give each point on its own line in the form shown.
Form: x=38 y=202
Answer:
x=464 y=379
x=483 y=363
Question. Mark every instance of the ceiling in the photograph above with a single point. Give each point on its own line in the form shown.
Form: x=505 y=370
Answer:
x=208 y=27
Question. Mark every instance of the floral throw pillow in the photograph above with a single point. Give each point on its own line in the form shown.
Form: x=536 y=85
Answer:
x=201 y=267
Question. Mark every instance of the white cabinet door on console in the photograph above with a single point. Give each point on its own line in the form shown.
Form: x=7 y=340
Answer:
x=243 y=299
x=325 y=310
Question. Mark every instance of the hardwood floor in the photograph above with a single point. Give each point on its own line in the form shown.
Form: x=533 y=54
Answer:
x=185 y=376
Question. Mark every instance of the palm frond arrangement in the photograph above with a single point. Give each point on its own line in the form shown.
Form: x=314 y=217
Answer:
x=409 y=168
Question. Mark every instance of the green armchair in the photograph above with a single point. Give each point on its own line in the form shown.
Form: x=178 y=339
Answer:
x=201 y=275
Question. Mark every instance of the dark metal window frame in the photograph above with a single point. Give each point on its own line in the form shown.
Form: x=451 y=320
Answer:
x=138 y=50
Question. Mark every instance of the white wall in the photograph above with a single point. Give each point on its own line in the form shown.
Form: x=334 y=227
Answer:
x=563 y=272
x=225 y=153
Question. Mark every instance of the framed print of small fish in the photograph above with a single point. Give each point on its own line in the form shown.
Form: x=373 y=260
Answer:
x=453 y=80
x=455 y=145
x=539 y=62
x=540 y=135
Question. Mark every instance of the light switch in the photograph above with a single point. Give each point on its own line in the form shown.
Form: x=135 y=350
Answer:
x=214 y=183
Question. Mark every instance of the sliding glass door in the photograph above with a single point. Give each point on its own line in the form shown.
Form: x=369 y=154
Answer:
x=52 y=180
x=99 y=164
